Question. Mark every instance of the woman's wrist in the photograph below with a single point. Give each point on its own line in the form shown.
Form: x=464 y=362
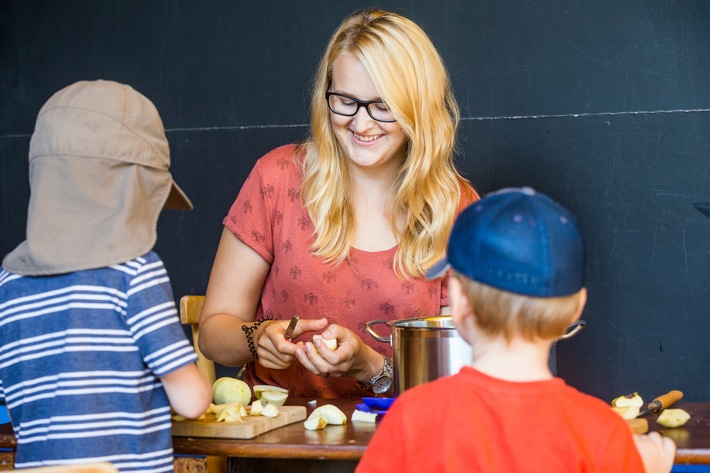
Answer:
x=250 y=332
x=373 y=366
x=381 y=381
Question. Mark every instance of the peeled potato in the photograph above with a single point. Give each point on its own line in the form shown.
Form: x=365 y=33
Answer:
x=228 y=390
x=673 y=418
x=627 y=412
x=256 y=408
x=324 y=415
x=270 y=410
x=270 y=394
x=360 y=416
x=231 y=414
x=331 y=413
x=273 y=397
x=330 y=343
x=316 y=422
x=260 y=388
x=217 y=409
x=628 y=400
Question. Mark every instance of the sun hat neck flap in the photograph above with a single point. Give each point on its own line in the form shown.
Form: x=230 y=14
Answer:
x=99 y=178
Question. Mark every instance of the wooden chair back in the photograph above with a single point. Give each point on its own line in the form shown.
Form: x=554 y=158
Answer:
x=190 y=308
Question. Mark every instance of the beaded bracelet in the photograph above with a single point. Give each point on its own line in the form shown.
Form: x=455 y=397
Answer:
x=249 y=331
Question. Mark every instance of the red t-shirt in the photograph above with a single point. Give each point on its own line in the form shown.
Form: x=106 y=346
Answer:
x=269 y=217
x=475 y=423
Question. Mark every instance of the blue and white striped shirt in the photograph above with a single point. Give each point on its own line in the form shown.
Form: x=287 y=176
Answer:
x=81 y=355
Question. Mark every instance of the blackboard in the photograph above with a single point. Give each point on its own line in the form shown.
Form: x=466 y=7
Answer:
x=603 y=105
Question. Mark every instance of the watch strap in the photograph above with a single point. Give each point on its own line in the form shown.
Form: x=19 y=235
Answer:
x=382 y=381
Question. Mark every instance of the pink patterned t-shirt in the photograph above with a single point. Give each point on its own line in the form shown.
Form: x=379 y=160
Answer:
x=268 y=216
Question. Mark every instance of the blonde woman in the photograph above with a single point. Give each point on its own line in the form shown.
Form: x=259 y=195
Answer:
x=341 y=228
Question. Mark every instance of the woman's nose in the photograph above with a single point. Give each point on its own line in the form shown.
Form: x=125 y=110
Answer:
x=362 y=120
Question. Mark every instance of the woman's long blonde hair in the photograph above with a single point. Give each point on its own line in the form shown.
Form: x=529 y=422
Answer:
x=412 y=80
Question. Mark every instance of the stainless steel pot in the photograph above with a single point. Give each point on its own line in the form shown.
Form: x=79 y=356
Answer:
x=427 y=348
x=423 y=349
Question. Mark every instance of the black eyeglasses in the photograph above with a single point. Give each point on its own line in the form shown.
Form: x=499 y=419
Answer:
x=349 y=106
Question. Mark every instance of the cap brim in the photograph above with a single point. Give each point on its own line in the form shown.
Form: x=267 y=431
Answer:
x=177 y=199
x=438 y=270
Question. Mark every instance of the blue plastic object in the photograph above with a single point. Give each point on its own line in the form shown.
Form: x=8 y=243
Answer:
x=379 y=403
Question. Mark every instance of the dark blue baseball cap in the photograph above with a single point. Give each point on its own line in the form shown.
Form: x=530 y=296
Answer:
x=517 y=240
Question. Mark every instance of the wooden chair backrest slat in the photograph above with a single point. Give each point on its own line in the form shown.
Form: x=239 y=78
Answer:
x=190 y=308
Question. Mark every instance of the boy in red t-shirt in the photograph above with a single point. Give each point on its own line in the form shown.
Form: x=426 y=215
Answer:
x=517 y=284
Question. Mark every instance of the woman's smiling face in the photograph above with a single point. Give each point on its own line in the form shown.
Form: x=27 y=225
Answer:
x=367 y=142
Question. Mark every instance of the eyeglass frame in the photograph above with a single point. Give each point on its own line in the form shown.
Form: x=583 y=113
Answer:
x=360 y=103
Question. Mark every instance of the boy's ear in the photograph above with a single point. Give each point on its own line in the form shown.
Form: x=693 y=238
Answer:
x=581 y=303
x=459 y=303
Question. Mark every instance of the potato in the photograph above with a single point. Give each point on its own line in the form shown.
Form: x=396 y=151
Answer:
x=331 y=413
x=261 y=388
x=360 y=416
x=231 y=414
x=228 y=390
x=277 y=398
x=256 y=408
x=627 y=412
x=628 y=400
x=330 y=343
x=270 y=410
x=316 y=422
x=673 y=418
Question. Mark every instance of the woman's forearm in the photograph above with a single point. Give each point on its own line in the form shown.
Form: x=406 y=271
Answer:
x=223 y=339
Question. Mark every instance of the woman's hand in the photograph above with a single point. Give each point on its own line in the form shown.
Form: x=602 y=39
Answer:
x=352 y=358
x=274 y=350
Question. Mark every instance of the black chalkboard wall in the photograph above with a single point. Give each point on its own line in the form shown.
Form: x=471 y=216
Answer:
x=603 y=105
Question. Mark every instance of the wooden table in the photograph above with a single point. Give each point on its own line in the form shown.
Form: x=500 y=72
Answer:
x=335 y=442
x=349 y=442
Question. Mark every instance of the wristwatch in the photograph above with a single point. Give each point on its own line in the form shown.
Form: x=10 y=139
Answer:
x=382 y=381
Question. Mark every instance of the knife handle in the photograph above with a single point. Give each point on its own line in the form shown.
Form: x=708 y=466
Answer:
x=666 y=400
x=638 y=426
x=291 y=327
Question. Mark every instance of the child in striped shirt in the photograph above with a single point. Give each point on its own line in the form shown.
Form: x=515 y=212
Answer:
x=92 y=353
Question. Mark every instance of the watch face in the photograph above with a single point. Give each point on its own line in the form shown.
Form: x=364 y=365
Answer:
x=381 y=385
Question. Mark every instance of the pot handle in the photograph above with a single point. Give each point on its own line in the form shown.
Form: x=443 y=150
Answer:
x=371 y=331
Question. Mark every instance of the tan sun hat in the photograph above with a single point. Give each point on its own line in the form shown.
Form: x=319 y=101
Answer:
x=99 y=178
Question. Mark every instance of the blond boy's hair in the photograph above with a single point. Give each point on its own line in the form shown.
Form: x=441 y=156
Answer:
x=506 y=314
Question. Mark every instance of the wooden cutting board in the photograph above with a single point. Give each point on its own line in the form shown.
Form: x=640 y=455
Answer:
x=251 y=426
